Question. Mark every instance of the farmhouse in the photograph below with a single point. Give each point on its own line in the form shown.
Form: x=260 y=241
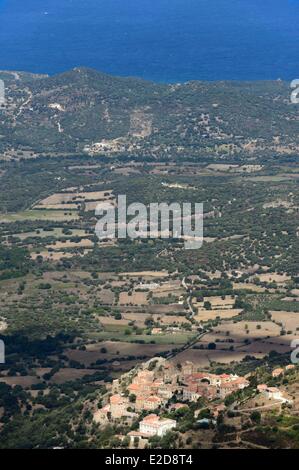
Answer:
x=274 y=393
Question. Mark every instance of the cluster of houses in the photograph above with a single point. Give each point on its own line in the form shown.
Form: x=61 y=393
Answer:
x=151 y=388
x=274 y=393
x=212 y=386
x=162 y=385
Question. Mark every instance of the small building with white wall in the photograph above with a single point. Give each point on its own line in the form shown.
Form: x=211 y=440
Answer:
x=153 y=425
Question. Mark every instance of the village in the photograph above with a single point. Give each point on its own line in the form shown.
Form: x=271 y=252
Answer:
x=161 y=387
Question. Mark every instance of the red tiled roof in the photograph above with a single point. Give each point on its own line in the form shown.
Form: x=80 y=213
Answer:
x=116 y=399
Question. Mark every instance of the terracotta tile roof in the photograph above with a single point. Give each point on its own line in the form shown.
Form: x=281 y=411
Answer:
x=134 y=387
x=151 y=417
x=273 y=389
x=262 y=387
x=153 y=399
x=116 y=399
x=177 y=406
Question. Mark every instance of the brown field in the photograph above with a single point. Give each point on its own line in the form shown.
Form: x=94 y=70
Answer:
x=138 y=318
x=173 y=288
x=24 y=382
x=160 y=310
x=119 y=368
x=204 y=358
x=261 y=341
x=71 y=276
x=118 y=283
x=206 y=315
x=126 y=171
x=216 y=302
x=83 y=167
x=137 y=298
x=56 y=255
x=281 y=342
x=116 y=350
x=106 y=296
x=146 y=274
x=226 y=167
x=92 y=205
x=68 y=374
x=289 y=320
x=75 y=197
x=221 y=166
x=112 y=321
x=57 y=233
x=164 y=309
x=175 y=293
x=265 y=346
x=238 y=330
x=214 y=275
x=58 y=207
x=248 y=286
x=40 y=371
x=170 y=319
x=222 y=343
x=59 y=245
x=274 y=277
x=271 y=178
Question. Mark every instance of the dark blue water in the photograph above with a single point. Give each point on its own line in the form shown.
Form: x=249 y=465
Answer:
x=163 y=40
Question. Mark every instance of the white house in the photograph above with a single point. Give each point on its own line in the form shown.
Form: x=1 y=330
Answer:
x=276 y=394
x=153 y=425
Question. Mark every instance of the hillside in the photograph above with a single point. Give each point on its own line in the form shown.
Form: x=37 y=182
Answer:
x=88 y=111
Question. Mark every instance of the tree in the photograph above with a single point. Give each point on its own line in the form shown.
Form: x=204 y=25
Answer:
x=132 y=398
x=256 y=417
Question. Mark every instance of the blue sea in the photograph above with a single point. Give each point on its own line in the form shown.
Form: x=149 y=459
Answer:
x=161 y=40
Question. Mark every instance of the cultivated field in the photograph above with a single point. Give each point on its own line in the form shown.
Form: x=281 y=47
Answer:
x=288 y=320
x=135 y=298
x=206 y=315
